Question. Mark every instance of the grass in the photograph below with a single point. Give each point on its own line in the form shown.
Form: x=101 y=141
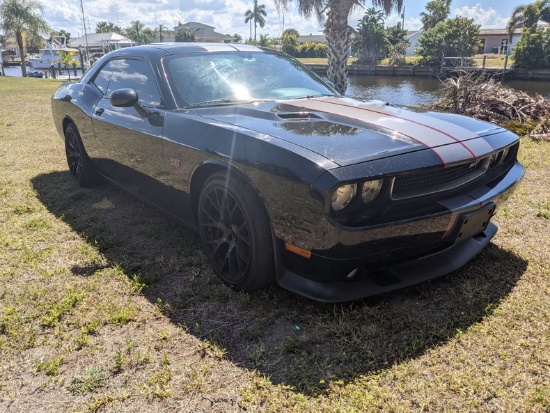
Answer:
x=106 y=305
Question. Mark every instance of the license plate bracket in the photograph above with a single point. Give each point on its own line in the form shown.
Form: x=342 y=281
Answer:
x=474 y=222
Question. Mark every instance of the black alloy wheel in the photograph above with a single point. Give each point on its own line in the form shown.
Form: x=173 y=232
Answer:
x=80 y=165
x=236 y=233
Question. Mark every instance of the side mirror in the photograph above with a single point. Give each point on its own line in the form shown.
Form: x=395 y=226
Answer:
x=123 y=98
x=128 y=98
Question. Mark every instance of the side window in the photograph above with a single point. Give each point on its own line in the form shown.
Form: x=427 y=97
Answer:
x=138 y=75
x=101 y=80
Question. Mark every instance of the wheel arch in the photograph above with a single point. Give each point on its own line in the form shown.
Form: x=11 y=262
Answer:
x=206 y=169
x=66 y=121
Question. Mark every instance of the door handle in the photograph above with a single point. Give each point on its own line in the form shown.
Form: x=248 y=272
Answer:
x=99 y=111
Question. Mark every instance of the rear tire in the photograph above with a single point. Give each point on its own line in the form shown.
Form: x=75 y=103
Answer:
x=236 y=233
x=80 y=165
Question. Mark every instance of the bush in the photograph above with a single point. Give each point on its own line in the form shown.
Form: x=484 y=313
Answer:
x=533 y=48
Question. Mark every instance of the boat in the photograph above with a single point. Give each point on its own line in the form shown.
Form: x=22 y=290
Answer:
x=52 y=54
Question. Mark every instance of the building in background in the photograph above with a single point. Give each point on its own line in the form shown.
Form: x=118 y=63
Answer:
x=97 y=44
x=202 y=32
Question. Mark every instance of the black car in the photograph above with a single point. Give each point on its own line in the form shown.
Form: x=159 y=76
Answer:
x=287 y=181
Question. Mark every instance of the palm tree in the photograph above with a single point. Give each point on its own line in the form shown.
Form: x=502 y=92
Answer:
x=436 y=11
x=371 y=40
x=337 y=30
x=528 y=15
x=21 y=18
x=184 y=34
x=159 y=31
x=257 y=15
x=139 y=33
x=107 y=27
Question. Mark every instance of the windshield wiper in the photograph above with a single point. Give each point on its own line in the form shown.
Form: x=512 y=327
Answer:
x=219 y=102
x=320 y=95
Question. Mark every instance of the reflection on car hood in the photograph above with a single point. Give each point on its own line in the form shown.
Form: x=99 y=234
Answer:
x=349 y=131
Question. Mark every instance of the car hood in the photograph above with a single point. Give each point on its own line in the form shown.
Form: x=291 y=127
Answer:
x=349 y=131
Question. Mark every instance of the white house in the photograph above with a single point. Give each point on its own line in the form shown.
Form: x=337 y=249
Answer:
x=496 y=41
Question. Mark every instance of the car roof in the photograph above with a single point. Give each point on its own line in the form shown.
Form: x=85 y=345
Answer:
x=154 y=49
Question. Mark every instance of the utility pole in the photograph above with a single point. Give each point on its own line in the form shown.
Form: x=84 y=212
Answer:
x=85 y=32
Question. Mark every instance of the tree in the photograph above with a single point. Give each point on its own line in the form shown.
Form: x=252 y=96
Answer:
x=436 y=11
x=397 y=37
x=533 y=49
x=237 y=38
x=257 y=15
x=34 y=43
x=335 y=14
x=20 y=19
x=371 y=42
x=289 y=40
x=265 y=41
x=452 y=37
x=291 y=32
x=159 y=31
x=107 y=27
x=139 y=33
x=528 y=16
x=61 y=33
x=184 y=34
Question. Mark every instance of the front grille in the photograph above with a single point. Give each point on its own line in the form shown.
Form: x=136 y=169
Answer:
x=432 y=181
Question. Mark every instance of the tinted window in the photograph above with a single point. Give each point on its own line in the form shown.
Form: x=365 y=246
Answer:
x=101 y=80
x=138 y=75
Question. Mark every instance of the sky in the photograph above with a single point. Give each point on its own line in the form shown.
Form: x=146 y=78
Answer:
x=227 y=16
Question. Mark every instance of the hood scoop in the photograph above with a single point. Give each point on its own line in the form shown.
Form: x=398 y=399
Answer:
x=294 y=116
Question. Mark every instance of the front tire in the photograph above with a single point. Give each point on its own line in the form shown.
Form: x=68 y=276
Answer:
x=80 y=165
x=236 y=233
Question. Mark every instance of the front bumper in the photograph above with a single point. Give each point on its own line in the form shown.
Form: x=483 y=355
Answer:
x=392 y=277
x=396 y=255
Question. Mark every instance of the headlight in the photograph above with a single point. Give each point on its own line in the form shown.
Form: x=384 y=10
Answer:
x=371 y=189
x=343 y=196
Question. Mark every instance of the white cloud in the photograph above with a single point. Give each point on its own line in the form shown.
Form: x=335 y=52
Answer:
x=227 y=16
x=487 y=19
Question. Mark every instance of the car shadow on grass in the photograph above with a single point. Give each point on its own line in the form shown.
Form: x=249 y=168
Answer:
x=290 y=339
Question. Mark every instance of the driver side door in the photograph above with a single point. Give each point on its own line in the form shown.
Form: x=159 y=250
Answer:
x=129 y=146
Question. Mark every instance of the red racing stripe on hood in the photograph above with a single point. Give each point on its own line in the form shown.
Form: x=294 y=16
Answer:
x=479 y=148
x=310 y=104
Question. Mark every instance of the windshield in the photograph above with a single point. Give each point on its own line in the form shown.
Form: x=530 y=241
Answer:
x=233 y=77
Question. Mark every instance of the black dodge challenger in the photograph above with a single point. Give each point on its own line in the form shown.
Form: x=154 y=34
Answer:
x=285 y=180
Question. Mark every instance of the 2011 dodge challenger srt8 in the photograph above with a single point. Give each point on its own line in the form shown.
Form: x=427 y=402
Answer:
x=285 y=180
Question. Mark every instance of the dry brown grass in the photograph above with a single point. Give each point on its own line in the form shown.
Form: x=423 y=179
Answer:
x=106 y=305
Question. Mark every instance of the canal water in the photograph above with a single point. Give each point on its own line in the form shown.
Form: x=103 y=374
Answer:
x=400 y=90
x=416 y=91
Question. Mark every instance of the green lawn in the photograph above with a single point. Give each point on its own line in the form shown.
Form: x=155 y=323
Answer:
x=491 y=61
x=106 y=305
